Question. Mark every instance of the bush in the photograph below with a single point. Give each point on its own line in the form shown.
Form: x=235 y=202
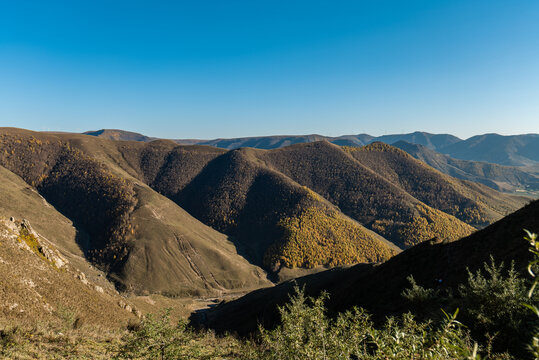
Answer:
x=491 y=302
x=492 y=306
x=306 y=332
x=534 y=249
x=156 y=338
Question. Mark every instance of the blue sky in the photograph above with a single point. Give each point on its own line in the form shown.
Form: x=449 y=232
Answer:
x=207 y=69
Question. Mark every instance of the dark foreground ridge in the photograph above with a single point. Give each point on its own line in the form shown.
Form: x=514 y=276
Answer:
x=378 y=288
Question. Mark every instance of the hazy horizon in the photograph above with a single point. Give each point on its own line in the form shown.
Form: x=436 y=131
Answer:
x=276 y=134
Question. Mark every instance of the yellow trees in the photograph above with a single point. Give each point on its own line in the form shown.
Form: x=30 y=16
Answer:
x=319 y=236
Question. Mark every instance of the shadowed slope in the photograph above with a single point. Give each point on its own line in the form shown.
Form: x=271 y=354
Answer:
x=378 y=288
x=239 y=195
x=143 y=240
x=41 y=275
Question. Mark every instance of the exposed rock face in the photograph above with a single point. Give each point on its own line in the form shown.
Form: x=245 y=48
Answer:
x=44 y=247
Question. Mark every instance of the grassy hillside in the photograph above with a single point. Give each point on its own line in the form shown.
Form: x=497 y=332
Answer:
x=141 y=239
x=44 y=275
x=36 y=290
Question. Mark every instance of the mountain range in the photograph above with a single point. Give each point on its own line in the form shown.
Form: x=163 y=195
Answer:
x=473 y=159
x=499 y=177
x=96 y=232
x=513 y=150
x=160 y=217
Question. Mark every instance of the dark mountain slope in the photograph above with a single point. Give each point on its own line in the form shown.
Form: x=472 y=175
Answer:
x=235 y=193
x=474 y=204
x=498 y=177
x=518 y=150
x=42 y=269
x=164 y=165
x=378 y=288
x=141 y=239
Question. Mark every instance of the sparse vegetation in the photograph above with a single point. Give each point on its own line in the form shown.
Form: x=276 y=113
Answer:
x=29 y=239
x=307 y=332
x=534 y=307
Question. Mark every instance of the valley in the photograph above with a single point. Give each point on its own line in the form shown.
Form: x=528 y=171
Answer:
x=126 y=228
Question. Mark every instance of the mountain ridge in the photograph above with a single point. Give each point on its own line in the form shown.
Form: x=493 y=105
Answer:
x=505 y=150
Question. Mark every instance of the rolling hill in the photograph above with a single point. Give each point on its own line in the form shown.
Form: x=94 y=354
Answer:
x=236 y=194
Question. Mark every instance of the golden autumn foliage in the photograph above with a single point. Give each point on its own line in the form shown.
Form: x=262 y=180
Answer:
x=433 y=223
x=324 y=237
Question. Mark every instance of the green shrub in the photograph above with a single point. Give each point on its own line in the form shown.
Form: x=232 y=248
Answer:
x=306 y=332
x=156 y=338
x=491 y=302
x=530 y=304
x=492 y=306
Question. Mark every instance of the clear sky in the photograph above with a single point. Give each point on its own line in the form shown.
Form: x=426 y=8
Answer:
x=207 y=69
